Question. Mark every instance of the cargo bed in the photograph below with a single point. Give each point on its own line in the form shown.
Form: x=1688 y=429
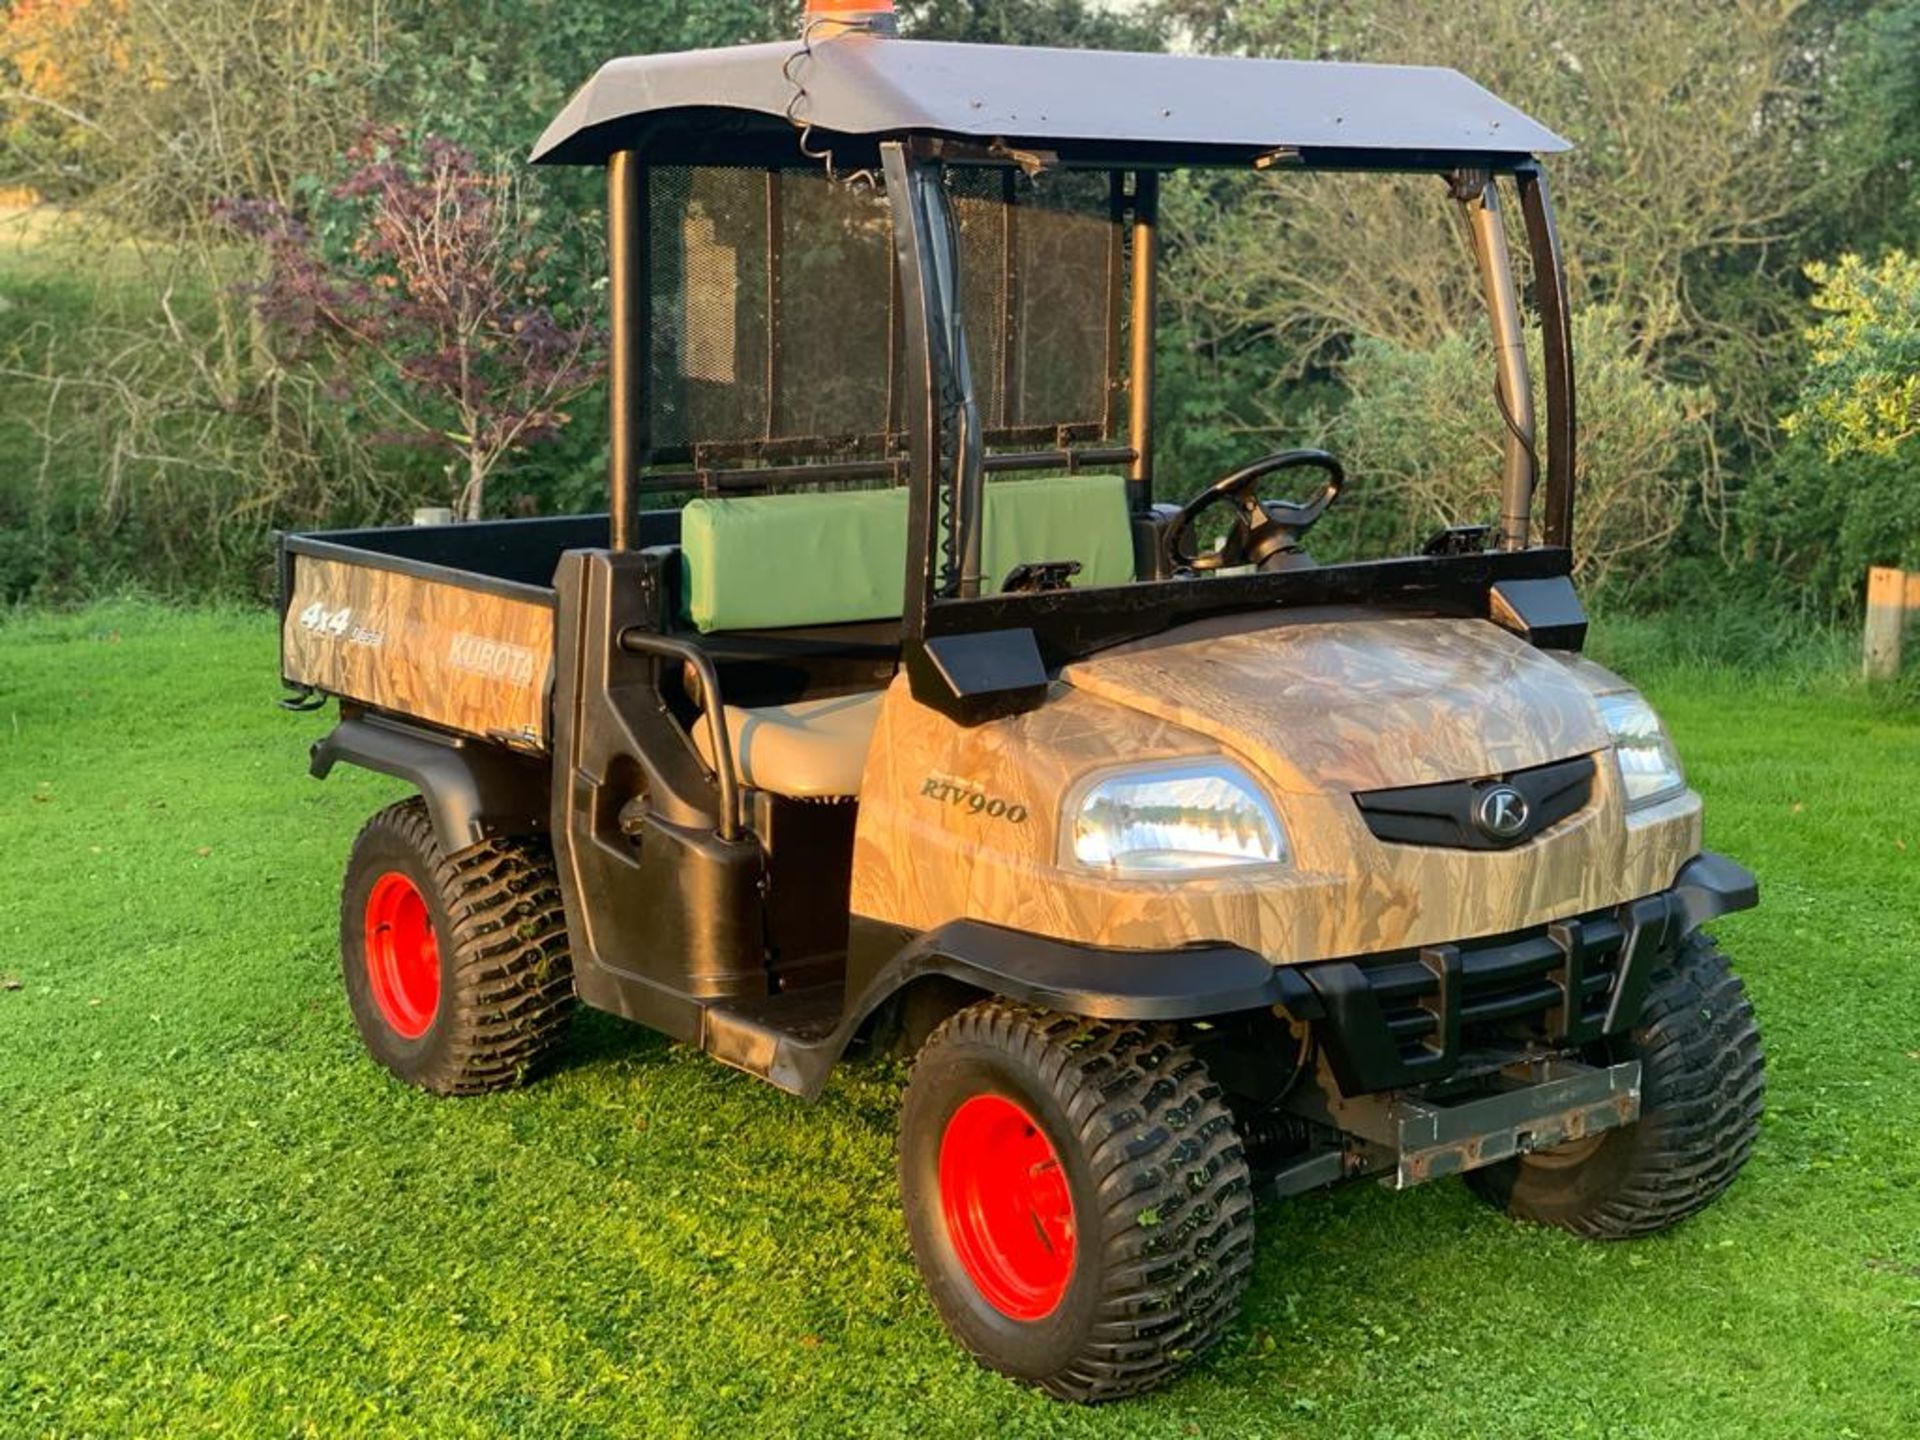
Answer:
x=452 y=625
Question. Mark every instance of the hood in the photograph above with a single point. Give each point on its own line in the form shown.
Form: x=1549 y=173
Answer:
x=1346 y=705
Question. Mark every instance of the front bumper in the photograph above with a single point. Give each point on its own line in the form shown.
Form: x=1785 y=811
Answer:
x=1386 y=1021
x=1394 y=1021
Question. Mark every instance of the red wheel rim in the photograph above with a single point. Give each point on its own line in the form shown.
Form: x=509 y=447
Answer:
x=403 y=957
x=1008 y=1208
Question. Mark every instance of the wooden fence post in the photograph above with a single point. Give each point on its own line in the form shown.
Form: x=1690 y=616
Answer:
x=1889 y=593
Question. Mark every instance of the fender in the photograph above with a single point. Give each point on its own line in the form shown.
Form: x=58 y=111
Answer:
x=885 y=961
x=1187 y=983
x=1709 y=886
x=474 y=791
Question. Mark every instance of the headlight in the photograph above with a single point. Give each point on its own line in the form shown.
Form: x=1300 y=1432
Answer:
x=1649 y=768
x=1173 y=819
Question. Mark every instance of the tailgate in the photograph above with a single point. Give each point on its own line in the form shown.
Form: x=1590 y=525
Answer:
x=471 y=654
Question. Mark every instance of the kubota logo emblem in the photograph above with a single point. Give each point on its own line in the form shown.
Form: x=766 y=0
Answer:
x=493 y=659
x=1502 y=813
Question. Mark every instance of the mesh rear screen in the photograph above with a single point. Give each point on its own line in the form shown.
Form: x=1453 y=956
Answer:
x=1035 y=259
x=775 y=317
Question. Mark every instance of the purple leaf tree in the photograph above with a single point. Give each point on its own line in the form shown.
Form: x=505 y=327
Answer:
x=431 y=307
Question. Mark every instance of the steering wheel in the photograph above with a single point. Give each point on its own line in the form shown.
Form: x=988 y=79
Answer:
x=1267 y=533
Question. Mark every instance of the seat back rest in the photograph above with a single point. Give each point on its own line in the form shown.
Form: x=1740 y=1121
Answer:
x=1067 y=517
x=766 y=562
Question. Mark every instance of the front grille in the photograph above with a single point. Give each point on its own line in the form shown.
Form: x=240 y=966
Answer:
x=1407 y=1018
x=1443 y=814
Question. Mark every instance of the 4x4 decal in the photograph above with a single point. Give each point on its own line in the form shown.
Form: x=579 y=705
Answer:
x=338 y=624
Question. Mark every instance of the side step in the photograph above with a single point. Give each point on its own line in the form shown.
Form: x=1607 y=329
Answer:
x=783 y=1039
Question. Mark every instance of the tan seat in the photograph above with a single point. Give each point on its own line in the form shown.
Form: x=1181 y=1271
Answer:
x=810 y=750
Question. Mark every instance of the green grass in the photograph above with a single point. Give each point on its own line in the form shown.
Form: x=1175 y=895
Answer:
x=217 y=1217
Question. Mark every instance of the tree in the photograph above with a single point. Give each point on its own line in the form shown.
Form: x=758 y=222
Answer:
x=1075 y=24
x=1687 y=175
x=1866 y=171
x=1416 y=430
x=438 y=312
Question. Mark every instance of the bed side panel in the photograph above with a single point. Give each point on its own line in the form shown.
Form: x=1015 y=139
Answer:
x=471 y=661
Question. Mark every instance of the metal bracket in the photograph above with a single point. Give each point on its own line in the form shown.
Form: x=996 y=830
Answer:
x=303 y=700
x=1554 y=1102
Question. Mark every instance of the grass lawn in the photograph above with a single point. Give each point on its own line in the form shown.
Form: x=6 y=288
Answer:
x=218 y=1217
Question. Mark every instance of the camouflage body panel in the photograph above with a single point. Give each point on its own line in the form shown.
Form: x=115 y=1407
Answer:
x=962 y=823
x=1352 y=705
x=462 y=658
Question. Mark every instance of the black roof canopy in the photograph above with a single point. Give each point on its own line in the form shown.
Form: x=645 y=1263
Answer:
x=715 y=105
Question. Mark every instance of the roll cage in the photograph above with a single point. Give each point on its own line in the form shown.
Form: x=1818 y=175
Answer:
x=908 y=118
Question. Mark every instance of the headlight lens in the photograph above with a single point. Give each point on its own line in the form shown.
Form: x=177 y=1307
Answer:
x=1174 y=819
x=1649 y=769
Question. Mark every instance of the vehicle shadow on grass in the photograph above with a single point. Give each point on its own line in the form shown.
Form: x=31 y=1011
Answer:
x=596 y=1038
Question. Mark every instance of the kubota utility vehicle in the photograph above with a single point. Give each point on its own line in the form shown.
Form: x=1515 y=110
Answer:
x=1183 y=865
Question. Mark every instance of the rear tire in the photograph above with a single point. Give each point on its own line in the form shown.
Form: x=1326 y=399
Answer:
x=456 y=966
x=1077 y=1198
x=1703 y=1086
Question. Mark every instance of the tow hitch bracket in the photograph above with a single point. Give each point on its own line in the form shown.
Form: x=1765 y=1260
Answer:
x=1552 y=1103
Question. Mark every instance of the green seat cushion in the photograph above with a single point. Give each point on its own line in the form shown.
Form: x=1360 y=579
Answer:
x=765 y=562
x=1067 y=517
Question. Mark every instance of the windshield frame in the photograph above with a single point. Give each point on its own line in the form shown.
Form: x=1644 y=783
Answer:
x=1042 y=631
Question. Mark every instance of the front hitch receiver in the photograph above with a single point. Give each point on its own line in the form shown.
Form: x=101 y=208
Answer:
x=1550 y=1102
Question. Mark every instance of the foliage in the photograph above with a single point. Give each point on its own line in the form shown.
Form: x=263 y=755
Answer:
x=440 y=312
x=1422 y=434
x=492 y=73
x=59 y=53
x=1840 y=495
x=150 y=435
x=1075 y=24
x=154 y=111
x=1810 y=526
x=1866 y=173
x=222 y=1219
x=1717 y=148
x=1862 y=393
x=162 y=442
x=141 y=448
x=1674 y=188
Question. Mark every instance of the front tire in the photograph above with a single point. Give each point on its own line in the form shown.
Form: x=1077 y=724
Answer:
x=456 y=966
x=1703 y=1086
x=1077 y=1198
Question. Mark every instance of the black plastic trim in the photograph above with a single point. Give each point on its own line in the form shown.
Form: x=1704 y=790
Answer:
x=978 y=677
x=1546 y=613
x=1074 y=624
x=1443 y=814
x=474 y=791
x=1710 y=885
x=1104 y=984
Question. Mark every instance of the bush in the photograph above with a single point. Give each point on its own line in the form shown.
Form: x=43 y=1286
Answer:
x=1811 y=526
x=1843 y=493
x=1862 y=393
x=1422 y=437
x=436 y=311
